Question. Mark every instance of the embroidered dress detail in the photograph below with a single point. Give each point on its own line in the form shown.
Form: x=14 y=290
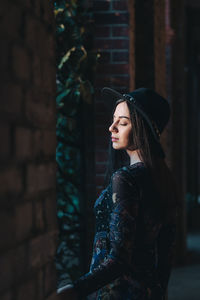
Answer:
x=129 y=243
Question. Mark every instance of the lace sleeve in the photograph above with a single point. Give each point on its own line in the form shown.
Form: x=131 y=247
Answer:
x=122 y=236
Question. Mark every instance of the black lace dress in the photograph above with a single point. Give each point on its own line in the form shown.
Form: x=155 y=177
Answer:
x=132 y=249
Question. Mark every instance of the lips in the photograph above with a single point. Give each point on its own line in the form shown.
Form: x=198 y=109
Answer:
x=114 y=139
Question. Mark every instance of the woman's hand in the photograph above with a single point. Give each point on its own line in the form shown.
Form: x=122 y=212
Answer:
x=68 y=292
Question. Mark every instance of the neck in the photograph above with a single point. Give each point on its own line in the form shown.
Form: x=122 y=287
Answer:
x=134 y=157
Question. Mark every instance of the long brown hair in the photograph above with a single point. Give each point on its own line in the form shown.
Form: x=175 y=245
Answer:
x=153 y=158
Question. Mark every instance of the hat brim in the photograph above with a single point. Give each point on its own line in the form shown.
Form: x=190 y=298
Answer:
x=112 y=96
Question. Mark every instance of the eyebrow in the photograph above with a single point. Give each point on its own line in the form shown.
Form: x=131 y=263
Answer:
x=122 y=117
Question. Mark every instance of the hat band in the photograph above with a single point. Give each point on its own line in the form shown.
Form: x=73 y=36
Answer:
x=153 y=124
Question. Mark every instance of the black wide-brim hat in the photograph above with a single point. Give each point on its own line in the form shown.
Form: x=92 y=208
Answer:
x=152 y=107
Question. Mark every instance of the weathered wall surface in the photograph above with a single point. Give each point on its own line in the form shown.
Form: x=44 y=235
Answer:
x=27 y=115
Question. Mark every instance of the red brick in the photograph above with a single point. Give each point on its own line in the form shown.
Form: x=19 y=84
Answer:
x=5 y=61
x=102 y=31
x=50 y=278
x=120 y=5
x=41 y=38
x=39 y=113
x=121 y=44
x=51 y=42
x=42 y=249
x=120 y=31
x=114 y=68
x=13 y=13
x=40 y=285
x=7 y=271
x=50 y=217
x=48 y=82
x=23 y=221
x=55 y=296
x=21 y=63
x=32 y=29
x=105 y=57
x=120 y=56
x=26 y=3
x=39 y=216
x=23 y=140
x=102 y=81
x=28 y=67
x=120 y=81
x=121 y=89
x=11 y=99
x=37 y=142
x=111 y=44
x=115 y=80
x=48 y=12
x=6 y=138
x=37 y=8
x=21 y=267
x=44 y=142
x=37 y=73
x=7 y=237
x=27 y=291
x=11 y=181
x=49 y=142
x=7 y=296
x=111 y=18
x=40 y=177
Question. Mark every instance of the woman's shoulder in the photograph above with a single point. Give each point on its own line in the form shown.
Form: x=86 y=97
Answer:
x=130 y=174
x=134 y=170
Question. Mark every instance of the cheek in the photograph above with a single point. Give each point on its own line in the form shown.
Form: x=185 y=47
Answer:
x=128 y=135
x=131 y=137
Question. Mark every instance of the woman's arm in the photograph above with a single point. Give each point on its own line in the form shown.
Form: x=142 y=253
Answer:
x=122 y=236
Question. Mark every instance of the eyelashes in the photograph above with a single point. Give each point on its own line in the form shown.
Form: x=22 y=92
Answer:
x=122 y=124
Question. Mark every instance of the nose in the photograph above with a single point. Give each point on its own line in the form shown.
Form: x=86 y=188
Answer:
x=112 y=127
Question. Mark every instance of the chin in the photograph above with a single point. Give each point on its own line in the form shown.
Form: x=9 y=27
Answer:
x=118 y=147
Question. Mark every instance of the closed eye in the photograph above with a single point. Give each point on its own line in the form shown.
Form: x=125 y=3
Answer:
x=123 y=124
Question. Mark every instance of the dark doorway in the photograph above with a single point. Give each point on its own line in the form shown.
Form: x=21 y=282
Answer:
x=193 y=129
x=193 y=120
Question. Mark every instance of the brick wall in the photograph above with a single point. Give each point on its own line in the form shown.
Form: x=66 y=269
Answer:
x=112 y=43
x=130 y=38
x=27 y=115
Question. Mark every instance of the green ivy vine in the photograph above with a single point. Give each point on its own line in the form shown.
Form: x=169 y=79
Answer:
x=76 y=63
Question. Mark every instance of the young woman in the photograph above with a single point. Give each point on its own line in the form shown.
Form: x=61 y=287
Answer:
x=136 y=212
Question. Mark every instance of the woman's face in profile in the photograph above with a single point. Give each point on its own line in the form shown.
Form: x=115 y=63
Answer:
x=121 y=128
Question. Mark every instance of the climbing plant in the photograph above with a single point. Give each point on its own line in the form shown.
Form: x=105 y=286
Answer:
x=76 y=63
